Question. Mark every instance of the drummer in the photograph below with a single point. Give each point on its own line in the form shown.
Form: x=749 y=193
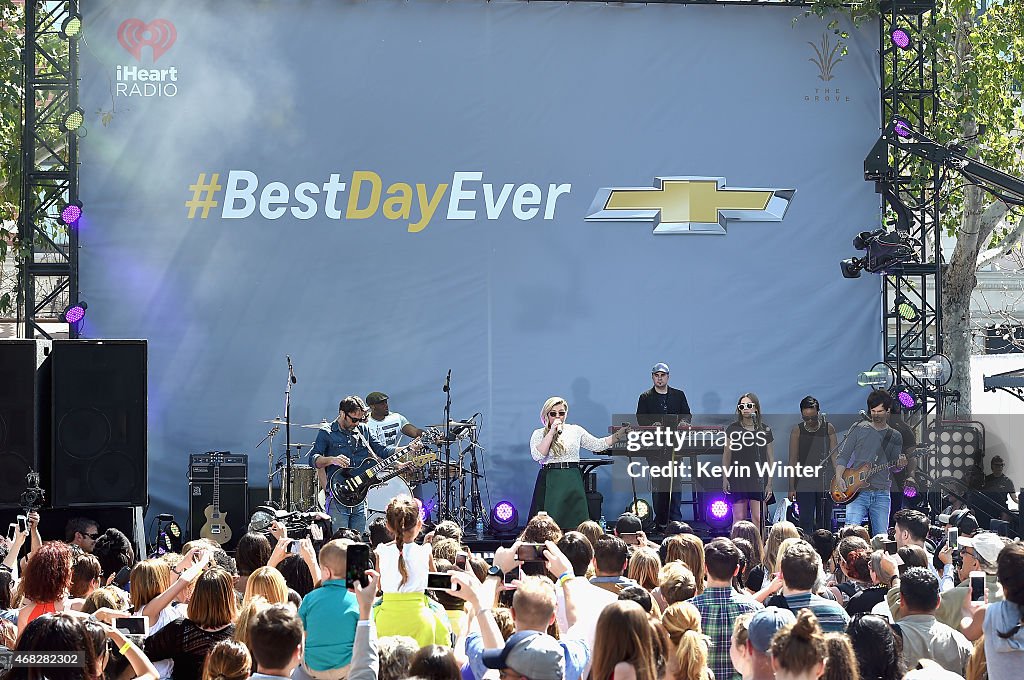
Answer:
x=386 y=424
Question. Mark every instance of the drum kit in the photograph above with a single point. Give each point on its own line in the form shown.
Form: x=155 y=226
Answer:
x=303 y=492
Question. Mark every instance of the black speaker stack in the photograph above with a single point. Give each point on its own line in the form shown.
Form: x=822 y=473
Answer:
x=220 y=476
x=74 y=411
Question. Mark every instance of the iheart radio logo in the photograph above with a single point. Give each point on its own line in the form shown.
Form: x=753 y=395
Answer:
x=134 y=34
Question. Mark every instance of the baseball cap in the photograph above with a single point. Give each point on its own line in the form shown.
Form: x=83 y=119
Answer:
x=628 y=523
x=660 y=367
x=765 y=624
x=997 y=459
x=536 y=655
x=375 y=398
x=987 y=544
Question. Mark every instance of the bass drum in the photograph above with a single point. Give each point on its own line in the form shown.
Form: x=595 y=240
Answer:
x=378 y=497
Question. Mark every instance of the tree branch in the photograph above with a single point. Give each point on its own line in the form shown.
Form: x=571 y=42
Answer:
x=1008 y=243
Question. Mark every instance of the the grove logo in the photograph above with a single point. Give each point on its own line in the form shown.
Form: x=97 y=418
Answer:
x=134 y=34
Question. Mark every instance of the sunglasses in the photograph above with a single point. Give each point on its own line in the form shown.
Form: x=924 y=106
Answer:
x=357 y=420
x=556 y=414
x=746 y=407
x=92 y=536
x=808 y=419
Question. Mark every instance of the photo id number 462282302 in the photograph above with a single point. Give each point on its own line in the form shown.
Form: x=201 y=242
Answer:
x=14 y=659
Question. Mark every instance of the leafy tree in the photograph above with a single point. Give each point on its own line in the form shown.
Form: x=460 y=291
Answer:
x=12 y=30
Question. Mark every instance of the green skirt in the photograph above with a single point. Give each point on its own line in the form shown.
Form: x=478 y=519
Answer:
x=559 y=492
x=411 y=614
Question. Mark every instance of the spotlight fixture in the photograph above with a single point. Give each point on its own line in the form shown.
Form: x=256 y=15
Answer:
x=642 y=509
x=718 y=511
x=71 y=213
x=880 y=376
x=71 y=27
x=906 y=309
x=900 y=37
x=74 y=312
x=902 y=128
x=937 y=370
x=906 y=397
x=504 y=518
x=72 y=120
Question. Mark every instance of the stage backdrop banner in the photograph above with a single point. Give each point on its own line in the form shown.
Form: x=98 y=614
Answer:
x=542 y=198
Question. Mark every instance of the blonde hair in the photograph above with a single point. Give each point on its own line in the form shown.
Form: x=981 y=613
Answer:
x=403 y=516
x=779 y=532
x=692 y=549
x=682 y=623
x=334 y=556
x=228 y=660
x=148 y=579
x=268 y=582
x=643 y=568
x=246 y=615
x=556 y=446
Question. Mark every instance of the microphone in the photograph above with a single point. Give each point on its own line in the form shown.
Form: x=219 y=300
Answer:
x=291 y=373
x=864 y=415
x=447 y=382
x=823 y=416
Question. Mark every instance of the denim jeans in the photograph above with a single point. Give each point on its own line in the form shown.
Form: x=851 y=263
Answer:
x=344 y=516
x=870 y=503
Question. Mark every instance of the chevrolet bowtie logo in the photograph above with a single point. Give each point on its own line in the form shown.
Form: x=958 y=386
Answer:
x=690 y=205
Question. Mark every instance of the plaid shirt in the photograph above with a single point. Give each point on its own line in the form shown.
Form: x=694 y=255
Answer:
x=719 y=608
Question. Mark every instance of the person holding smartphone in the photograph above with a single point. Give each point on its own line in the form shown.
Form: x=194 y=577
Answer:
x=556 y=446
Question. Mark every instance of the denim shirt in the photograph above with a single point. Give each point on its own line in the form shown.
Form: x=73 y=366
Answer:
x=340 y=442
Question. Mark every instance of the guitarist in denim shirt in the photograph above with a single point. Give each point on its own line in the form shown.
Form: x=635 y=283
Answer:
x=347 y=444
x=874 y=444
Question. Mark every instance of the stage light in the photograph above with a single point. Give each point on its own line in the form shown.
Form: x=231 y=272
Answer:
x=641 y=508
x=886 y=251
x=504 y=518
x=909 y=490
x=72 y=120
x=902 y=128
x=74 y=312
x=718 y=511
x=937 y=370
x=907 y=399
x=71 y=213
x=907 y=310
x=851 y=268
x=71 y=27
x=900 y=38
x=879 y=377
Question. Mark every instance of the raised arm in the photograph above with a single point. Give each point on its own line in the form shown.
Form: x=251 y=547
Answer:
x=201 y=558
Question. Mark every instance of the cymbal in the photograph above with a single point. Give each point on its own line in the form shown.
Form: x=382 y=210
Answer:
x=300 y=446
x=317 y=426
x=275 y=421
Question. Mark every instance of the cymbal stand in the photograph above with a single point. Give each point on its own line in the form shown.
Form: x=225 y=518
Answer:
x=478 y=512
x=270 y=458
x=444 y=484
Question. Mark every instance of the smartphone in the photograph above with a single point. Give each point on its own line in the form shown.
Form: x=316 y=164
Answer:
x=977 y=586
x=439 y=581
x=460 y=561
x=133 y=625
x=952 y=538
x=358 y=558
x=890 y=547
x=22 y=523
x=530 y=552
x=12 y=531
x=293 y=547
x=121 y=580
x=511 y=576
x=630 y=538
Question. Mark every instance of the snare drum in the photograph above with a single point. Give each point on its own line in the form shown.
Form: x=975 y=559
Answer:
x=303 y=487
x=378 y=497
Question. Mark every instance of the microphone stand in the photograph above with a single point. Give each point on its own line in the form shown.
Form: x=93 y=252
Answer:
x=445 y=481
x=286 y=481
x=270 y=459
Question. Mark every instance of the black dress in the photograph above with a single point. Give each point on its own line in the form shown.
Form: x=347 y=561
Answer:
x=748 y=448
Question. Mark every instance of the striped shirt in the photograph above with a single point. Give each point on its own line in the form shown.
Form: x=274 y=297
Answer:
x=831 y=616
x=719 y=608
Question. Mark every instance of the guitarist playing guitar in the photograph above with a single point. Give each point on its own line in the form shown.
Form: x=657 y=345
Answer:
x=872 y=448
x=347 y=444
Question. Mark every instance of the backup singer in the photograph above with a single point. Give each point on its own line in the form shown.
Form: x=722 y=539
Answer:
x=809 y=444
x=749 y=443
x=556 y=446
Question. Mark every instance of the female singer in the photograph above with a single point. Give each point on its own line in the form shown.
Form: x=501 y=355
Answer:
x=556 y=446
x=749 y=442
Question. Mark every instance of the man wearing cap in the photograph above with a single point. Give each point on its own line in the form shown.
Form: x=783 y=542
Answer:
x=979 y=553
x=388 y=425
x=528 y=654
x=751 y=656
x=663 y=406
x=998 y=485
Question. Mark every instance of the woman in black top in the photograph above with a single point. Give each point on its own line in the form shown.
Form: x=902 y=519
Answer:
x=210 y=619
x=749 y=443
x=809 y=444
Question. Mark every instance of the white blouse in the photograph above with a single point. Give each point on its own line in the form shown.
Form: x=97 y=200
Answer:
x=417 y=565
x=572 y=439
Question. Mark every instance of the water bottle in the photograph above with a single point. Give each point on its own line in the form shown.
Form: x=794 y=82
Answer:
x=479 y=527
x=604 y=525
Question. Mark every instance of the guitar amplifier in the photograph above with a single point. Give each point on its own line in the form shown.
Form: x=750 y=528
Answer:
x=234 y=467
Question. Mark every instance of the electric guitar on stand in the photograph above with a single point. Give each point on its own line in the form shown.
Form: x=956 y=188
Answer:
x=216 y=528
